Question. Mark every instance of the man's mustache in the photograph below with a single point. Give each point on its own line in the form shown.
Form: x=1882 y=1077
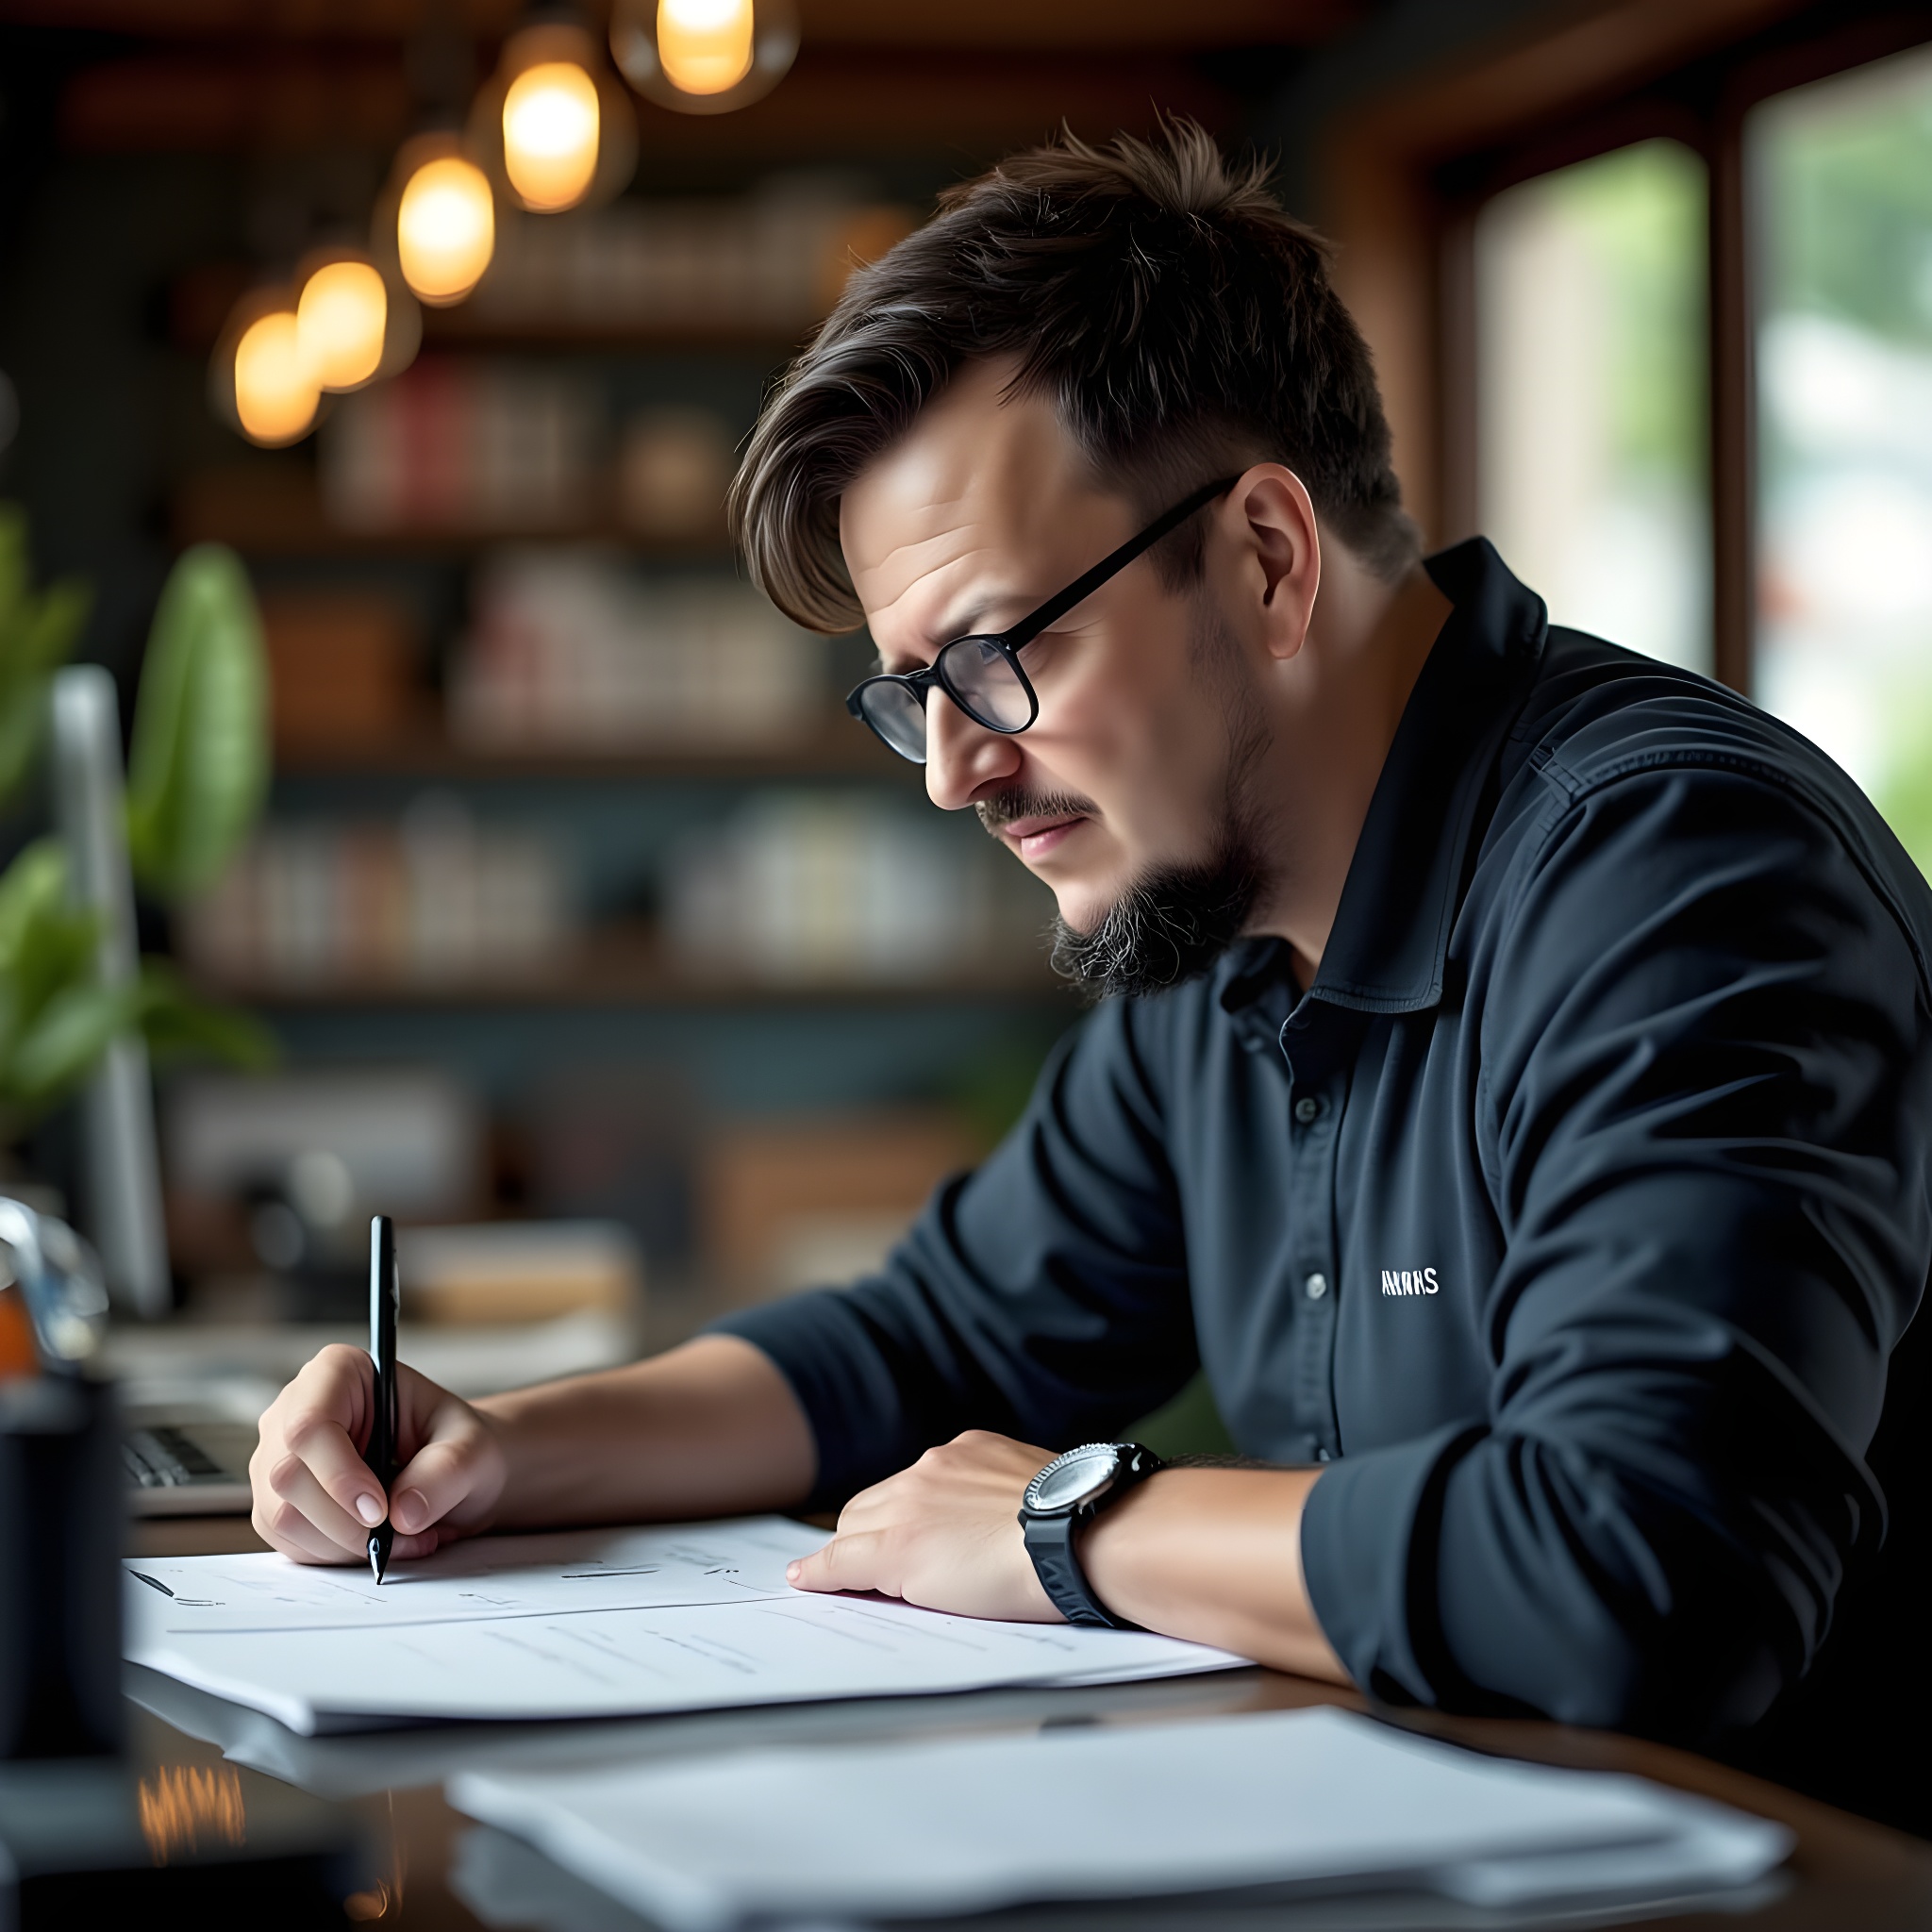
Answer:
x=1003 y=807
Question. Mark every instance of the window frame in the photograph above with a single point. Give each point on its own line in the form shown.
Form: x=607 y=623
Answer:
x=1412 y=169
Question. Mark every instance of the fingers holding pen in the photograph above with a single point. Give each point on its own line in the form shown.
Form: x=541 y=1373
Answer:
x=323 y=1522
x=316 y=1499
x=454 y=1475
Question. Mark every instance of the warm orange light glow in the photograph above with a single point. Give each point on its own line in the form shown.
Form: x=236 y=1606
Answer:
x=185 y=1806
x=445 y=229
x=341 y=319
x=705 y=46
x=275 y=396
x=20 y=1353
x=550 y=122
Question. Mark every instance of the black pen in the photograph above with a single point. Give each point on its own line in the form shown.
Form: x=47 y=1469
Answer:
x=385 y=1293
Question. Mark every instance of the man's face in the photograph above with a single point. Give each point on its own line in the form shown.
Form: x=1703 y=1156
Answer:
x=980 y=512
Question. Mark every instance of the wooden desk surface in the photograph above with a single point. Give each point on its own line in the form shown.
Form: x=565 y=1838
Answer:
x=1846 y=1875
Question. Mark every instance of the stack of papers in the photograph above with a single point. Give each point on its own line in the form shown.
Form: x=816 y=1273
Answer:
x=607 y=1623
x=1295 y=1802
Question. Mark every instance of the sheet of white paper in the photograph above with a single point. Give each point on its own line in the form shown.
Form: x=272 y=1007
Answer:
x=1317 y=1799
x=522 y=1639
x=492 y=1577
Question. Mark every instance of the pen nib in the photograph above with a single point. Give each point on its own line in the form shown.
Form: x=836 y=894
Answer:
x=379 y=1556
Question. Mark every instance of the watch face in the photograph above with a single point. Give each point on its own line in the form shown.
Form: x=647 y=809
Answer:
x=1069 y=1480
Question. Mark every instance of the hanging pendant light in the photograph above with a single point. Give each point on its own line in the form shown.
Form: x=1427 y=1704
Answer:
x=342 y=321
x=553 y=125
x=550 y=135
x=705 y=46
x=703 y=57
x=275 y=396
x=444 y=223
x=260 y=381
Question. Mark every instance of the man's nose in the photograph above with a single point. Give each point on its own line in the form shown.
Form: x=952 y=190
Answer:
x=960 y=756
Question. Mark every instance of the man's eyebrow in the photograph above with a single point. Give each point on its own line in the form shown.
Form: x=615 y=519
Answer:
x=966 y=622
x=961 y=624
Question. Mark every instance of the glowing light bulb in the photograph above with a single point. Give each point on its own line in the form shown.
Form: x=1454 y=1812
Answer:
x=275 y=394
x=445 y=229
x=341 y=319
x=550 y=135
x=705 y=46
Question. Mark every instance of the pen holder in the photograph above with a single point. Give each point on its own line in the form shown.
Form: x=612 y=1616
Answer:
x=62 y=1502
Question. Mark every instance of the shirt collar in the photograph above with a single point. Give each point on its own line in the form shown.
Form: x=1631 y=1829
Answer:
x=1386 y=952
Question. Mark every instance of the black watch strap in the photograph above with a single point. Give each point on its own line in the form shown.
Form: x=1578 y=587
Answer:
x=1050 y=1544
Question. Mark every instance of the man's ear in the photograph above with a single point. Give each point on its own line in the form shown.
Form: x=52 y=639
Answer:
x=1283 y=554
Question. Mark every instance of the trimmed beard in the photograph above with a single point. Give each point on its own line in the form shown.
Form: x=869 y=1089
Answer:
x=1169 y=926
x=1173 y=922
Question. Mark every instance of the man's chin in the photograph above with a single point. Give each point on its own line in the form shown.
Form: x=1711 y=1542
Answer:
x=1166 y=928
x=1082 y=909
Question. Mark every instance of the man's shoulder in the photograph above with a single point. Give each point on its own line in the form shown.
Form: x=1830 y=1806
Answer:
x=1597 y=712
x=1599 y=717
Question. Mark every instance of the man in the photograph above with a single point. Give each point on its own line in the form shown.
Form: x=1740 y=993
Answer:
x=1512 y=1083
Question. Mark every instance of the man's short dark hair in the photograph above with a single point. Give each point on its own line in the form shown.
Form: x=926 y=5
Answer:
x=1182 y=322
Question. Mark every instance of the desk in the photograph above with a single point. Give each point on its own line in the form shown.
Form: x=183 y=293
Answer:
x=436 y=1870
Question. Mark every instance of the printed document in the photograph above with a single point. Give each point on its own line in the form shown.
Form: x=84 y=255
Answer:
x=598 y=1623
x=488 y=1577
x=1312 y=1801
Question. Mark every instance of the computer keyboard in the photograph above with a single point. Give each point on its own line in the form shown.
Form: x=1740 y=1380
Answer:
x=164 y=1457
x=193 y=1468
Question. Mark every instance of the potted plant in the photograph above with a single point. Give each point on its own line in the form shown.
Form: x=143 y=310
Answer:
x=197 y=774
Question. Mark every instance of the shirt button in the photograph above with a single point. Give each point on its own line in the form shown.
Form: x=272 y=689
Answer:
x=1308 y=1108
x=1316 y=1285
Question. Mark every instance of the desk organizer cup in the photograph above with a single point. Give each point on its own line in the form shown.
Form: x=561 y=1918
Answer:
x=62 y=1500
x=61 y=1506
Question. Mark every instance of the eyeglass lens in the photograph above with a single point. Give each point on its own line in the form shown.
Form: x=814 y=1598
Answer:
x=989 y=686
x=898 y=717
x=981 y=675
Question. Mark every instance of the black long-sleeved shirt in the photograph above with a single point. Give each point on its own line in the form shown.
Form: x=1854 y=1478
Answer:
x=1571 y=1217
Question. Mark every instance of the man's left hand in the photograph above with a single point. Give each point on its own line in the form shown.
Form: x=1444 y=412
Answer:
x=943 y=1534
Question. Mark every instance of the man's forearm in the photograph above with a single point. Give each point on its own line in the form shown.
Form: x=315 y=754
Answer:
x=710 y=1429
x=1214 y=1555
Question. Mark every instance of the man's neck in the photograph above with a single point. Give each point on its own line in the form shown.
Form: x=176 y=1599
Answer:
x=1336 y=708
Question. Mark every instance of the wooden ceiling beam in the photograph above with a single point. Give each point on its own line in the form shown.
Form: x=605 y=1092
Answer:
x=832 y=103
x=1078 y=25
x=317 y=21
x=1072 y=26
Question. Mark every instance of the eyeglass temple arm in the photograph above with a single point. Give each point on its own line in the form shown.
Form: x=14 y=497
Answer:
x=1084 y=587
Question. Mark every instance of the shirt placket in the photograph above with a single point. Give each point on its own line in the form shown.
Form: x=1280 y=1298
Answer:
x=1316 y=1086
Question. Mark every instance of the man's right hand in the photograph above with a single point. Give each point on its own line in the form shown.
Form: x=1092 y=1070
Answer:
x=315 y=1498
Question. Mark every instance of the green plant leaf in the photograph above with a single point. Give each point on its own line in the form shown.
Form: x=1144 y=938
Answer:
x=199 y=764
x=180 y=1025
x=32 y=886
x=45 y=943
x=36 y=634
x=60 y=1047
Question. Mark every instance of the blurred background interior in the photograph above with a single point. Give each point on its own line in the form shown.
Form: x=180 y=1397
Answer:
x=582 y=930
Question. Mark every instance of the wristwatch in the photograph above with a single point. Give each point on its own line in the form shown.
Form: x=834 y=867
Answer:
x=1061 y=1501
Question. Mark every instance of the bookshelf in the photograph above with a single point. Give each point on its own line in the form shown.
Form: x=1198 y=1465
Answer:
x=361 y=929
x=274 y=511
x=628 y=966
x=837 y=747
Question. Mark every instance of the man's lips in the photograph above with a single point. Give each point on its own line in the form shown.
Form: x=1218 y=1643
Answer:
x=1037 y=834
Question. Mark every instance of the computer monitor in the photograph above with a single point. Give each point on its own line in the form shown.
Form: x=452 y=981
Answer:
x=120 y=1165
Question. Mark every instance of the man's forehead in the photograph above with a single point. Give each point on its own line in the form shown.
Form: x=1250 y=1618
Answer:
x=981 y=494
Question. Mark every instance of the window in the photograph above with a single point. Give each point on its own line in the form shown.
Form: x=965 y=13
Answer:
x=1592 y=411
x=1841 y=180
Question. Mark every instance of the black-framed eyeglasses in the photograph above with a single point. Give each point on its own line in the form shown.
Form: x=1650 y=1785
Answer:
x=982 y=675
